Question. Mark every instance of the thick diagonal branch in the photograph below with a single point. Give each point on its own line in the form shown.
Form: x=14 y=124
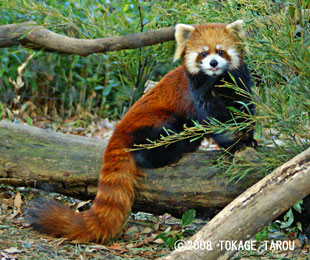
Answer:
x=252 y=210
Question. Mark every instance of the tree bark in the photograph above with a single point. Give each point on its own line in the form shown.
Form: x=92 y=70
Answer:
x=70 y=165
x=252 y=210
x=36 y=37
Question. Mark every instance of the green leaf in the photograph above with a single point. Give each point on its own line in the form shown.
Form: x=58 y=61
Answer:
x=196 y=124
x=1 y=110
x=299 y=226
x=99 y=87
x=75 y=61
x=107 y=90
x=125 y=8
x=188 y=217
x=291 y=11
x=259 y=236
x=298 y=206
x=166 y=131
x=266 y=233
x=171 y=241
x=289 y=219
x=233 y=109
x=29 y=121
x=194 y=139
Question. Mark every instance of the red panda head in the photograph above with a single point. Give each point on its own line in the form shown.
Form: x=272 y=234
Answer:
x=210 y=48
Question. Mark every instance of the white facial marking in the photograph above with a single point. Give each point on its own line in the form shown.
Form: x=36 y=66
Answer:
x=222 y=65
x=235 y=60
x=191 y=62
x=219 y=46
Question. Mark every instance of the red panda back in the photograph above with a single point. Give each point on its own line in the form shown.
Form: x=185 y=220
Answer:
x=119 y=174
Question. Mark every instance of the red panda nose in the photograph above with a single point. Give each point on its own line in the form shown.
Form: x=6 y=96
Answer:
x=213 y=63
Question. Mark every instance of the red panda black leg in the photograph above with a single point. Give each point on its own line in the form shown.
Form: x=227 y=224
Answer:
x=232 y=143
x=163 y=155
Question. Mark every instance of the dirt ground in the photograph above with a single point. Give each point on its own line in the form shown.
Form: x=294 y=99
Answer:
x=139 y=241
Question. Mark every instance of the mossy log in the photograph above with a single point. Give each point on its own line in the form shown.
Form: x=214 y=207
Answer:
x=70 y=165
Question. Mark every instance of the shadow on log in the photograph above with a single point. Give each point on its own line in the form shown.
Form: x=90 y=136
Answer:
x=70 y=165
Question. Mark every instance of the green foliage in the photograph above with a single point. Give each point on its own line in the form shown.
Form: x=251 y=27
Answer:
x=288 y=219
x=1 y=110
x=279 y=58
x=287 y=225
x=280 y=61
x=170 y=237
x=29 y=121
x=264 y=234
x=103 y=84
x=188 y=217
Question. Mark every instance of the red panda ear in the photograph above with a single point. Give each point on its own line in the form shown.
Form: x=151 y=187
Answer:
x=182 y=34
x=236 y=29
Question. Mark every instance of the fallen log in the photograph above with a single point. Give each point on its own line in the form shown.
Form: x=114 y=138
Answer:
x=251 y=211
x=70 y=165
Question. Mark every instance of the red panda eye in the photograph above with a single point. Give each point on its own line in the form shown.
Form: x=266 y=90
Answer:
x=203 y=54
x=221 y=52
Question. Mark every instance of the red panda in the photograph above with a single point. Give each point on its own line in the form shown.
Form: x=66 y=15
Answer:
x=211 y=52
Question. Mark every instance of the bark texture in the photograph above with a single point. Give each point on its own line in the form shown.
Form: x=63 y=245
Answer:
x=36 y=37
x=253 y=209
x=70 y=165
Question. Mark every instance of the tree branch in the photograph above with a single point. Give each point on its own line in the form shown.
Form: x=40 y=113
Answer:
x=32 y=36
x=253 y=209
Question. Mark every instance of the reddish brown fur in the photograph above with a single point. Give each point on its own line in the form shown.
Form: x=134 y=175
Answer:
x=209 y=35
x=119 y=175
